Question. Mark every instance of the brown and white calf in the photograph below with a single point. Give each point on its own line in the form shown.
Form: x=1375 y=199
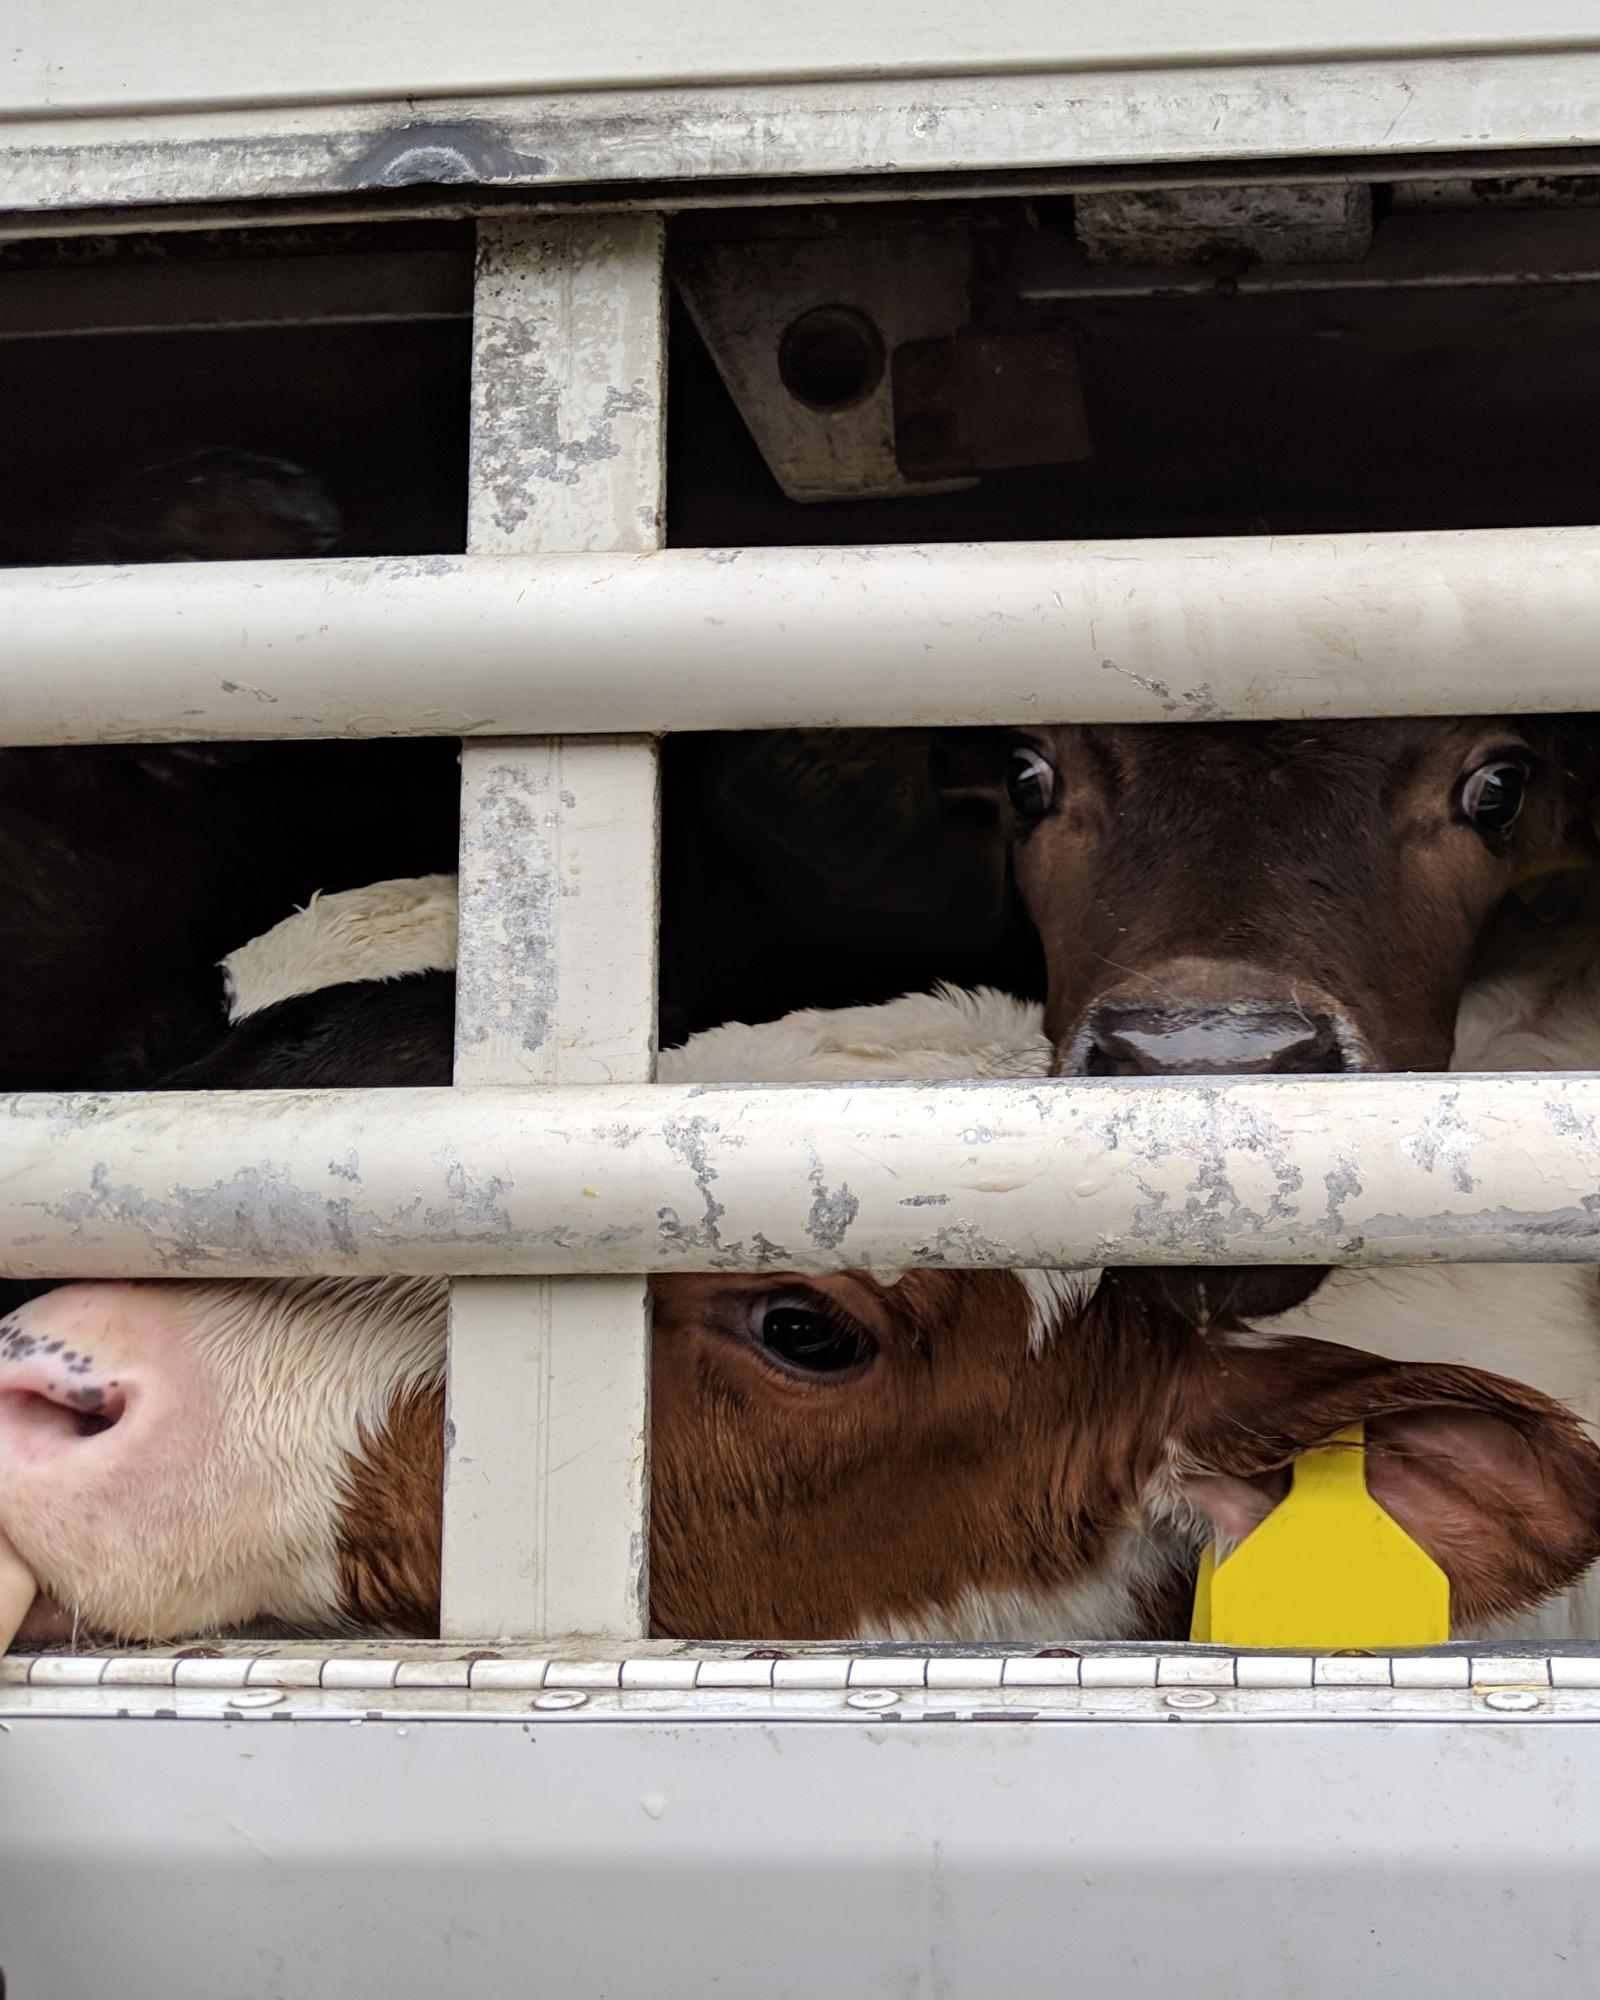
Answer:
x=834 y=1458
x=974 y=1455
x=1271 y=896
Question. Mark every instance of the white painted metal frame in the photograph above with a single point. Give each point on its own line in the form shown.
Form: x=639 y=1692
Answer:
x=953 y=1845
x=1040 y=115
x=565 y=615
x=492 y=645
x=611 y=1179
x=960 y=1860
x=547 y=1485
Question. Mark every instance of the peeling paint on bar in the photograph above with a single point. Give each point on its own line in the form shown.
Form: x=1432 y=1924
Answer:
x=677 y=639
x=495 y=1181
x=506 y=964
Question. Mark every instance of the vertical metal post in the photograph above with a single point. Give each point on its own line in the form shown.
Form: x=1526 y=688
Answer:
x=547 y=1465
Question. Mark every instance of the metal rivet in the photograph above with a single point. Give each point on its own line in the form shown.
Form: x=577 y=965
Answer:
x=871 y=1698
x=1517 y=1699
x=255 y=1698
x=1191 y=1698
x=561 y=1698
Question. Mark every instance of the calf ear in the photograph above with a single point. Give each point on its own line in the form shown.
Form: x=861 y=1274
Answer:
x=1496 y=1481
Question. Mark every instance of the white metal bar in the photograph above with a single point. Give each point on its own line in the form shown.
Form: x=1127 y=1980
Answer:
x=1151 y=631
x=547 y=1482
x=1221 y=109
x=557 y=961
x=1423 y=249
x=82 y=56
x=568 y=385
x=422 y=202
x=618 y=1178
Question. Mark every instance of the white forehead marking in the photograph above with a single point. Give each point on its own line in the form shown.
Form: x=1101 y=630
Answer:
x=385 y=931
x=1054 y=1297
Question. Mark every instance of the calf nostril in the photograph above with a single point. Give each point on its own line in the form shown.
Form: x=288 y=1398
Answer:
x=1242 y=1039
x=1103 y=1058
x=90 y=1423
x=1324 y=1054
x=57 y=1414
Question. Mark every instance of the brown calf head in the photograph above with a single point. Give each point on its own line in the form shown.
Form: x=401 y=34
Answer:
x=952 y=1455
x=1272 y=897
x=837 y=1457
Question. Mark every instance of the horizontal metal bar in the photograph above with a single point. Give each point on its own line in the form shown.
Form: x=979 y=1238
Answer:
x=1494 y=619
x=355 y=289
x=1422 y=249
x=82 y=58
x=1038 y=117
x=446 y=203
x=628 y=1177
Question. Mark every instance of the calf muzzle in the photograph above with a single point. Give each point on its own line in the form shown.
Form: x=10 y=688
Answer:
x=1215 y=1017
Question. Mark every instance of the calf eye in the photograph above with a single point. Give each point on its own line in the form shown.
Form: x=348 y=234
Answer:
x=1491 y=798
x=1030 y=782
x=810 y=1336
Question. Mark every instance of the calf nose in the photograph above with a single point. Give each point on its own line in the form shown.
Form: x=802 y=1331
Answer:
x=61 y=1381
x=1238 y=1039
x=52 y=1400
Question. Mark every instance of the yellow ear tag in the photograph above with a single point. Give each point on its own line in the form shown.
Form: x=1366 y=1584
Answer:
x=1327 y=1569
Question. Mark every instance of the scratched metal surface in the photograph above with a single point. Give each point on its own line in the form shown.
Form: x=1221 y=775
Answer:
x=620 y=1178
x=1066 y=107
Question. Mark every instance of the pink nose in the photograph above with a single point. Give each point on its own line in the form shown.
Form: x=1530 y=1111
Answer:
x=51 y=1393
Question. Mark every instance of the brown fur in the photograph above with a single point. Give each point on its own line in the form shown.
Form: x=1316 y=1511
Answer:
x=794 y=1507
x=808 y=1508
x=1308 y=855
x=389 y=1521
x=1186 y=873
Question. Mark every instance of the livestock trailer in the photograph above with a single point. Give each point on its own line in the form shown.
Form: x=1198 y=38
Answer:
x=989 y=330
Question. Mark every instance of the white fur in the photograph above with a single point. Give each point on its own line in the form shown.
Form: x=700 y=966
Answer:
x=213 y=1500
x=270 y=1346
x=932 y=1037
x=1054 y=1298
x=384 y=931
x=1099 y=1605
